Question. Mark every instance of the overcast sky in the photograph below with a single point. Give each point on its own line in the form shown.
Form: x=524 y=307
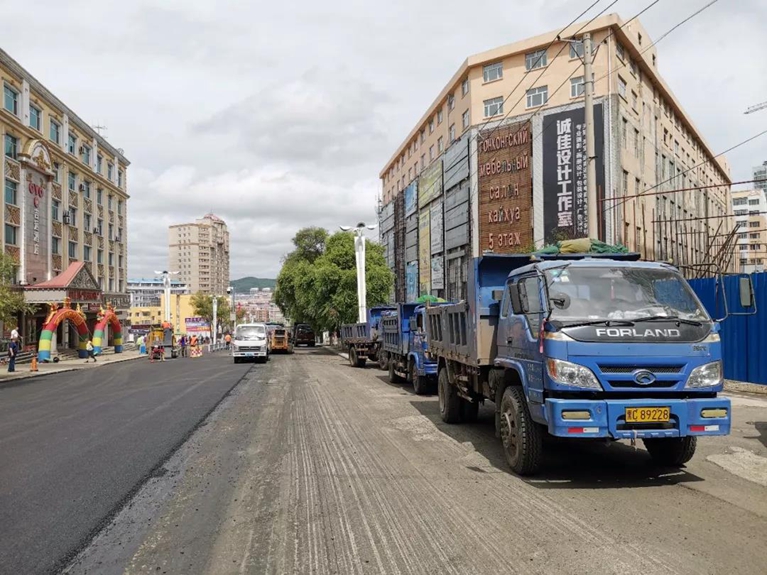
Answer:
x=279 y=115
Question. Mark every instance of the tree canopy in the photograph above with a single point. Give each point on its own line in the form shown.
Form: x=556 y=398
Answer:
x=202 y=303
x=12 y=300
x=318 y=280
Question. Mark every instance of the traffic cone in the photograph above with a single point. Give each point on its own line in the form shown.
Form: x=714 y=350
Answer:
x=33 y=367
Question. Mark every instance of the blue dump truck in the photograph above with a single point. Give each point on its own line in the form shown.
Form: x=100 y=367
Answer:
x=581 y=346
x=405 y=347
x=362 y=340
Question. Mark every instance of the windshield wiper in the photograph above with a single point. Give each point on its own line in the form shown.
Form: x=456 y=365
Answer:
x=608 y=322
x=670 y=318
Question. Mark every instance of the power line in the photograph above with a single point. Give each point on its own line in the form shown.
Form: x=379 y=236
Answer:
x=701 y=218
x=693 y=189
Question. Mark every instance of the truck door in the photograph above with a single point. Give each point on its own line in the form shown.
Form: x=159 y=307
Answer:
x=525 y=338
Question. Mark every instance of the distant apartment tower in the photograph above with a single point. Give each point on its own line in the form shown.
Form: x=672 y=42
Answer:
x=199 y=251
x=760 y=173
x=750 y=209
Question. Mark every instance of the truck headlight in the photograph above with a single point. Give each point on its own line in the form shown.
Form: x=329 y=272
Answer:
x=707 y=375
x=572 y=374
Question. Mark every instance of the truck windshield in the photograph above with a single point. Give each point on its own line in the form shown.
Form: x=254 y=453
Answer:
x=248 y=332
x=601 y=293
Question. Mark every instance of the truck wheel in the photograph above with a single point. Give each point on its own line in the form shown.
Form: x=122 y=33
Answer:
x=469 y=411
x=671 y=451
x=393 y=377
x=383 y=361
x=352 y=357
x=522 y=438
x=449 y=402
x=420 y=385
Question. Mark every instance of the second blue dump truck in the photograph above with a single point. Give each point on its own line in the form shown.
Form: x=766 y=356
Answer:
x=405 y=347
x=363 y=340
x=581 y=346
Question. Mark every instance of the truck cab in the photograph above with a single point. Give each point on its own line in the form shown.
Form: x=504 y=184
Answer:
x=406 y=347
x=249 y=343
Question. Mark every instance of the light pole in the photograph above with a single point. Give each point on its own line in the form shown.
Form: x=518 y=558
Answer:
x=359 y=254
x=166 y=289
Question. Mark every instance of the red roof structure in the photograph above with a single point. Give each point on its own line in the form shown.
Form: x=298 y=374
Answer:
x=76 y=275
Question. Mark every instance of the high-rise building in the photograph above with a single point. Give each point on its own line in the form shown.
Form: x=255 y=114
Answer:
x=200 y=253
x=498 y=158
x=750 y=209
x=65 y=206
x=760 y=173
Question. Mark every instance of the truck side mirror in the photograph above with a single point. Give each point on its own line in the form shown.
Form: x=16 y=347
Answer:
x=746 y=292
x=497 y=295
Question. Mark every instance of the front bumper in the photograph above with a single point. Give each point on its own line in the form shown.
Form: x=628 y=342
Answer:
x=430 y=368
x=607 y=418
x=260 y=352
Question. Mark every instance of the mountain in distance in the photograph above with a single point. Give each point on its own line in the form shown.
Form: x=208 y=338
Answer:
x=246 y=284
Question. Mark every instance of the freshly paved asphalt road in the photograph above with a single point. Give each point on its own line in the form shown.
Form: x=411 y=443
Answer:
x=311 y=466
x=75 y=446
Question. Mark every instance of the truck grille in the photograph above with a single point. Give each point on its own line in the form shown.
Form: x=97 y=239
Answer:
x=249 y=348
x=656 y=369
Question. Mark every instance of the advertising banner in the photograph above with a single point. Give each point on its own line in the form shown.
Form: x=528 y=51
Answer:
x=411 y=281
x=437 y=229
x=36 y=214
x=411 y=198
x=196 y=325
x=505 y=189
x=565 y=204
x=430 y=183
x=424 y=251
x=438 y=272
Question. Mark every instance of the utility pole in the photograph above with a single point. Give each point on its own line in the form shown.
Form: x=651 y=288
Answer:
x=591 y=168
x=215 y=320
x=359 y=255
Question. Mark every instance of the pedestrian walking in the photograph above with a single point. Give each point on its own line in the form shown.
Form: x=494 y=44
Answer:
x=228 y=340
x=13 y=350
x=91 y=355
x=183 y=343
x=15 y=334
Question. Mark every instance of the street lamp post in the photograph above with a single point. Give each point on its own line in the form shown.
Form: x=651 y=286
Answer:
x=166 y=284
x=359 y=254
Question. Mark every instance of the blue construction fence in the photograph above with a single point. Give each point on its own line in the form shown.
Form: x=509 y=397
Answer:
x=744 y=337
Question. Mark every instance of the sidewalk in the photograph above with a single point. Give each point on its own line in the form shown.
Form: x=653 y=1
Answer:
x=23 y=371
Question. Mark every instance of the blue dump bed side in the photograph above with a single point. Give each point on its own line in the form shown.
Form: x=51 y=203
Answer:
x=396 y=329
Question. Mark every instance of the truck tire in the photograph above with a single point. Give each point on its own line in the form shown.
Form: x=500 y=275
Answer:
x=671 y=451
x=522 y=438
x=352 y=357
x=469 y=411
x=383 y=361
x=393 y=377
x=449 y=402
x=420 y=384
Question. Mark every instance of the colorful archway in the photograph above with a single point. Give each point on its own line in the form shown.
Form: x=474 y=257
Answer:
x=55 y=317
x=104 y=318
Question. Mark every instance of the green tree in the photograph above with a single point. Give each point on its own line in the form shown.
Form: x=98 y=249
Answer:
x=12 y=300
x=202 y=303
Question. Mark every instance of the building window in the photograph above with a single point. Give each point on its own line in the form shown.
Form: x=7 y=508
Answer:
x=99 y=196
x=11 y=146
x=451 y=102
x=72 y=216
x=111 y=259
x=35 y=118
x=576 y=49
x=55 y=209
x=577 y=87
x=625 y=183
x=111 y=231
x=465 y=87
x=753 y=224
x=624 y=131
x=494 y=107
x=753 y=202
x=109 y=202
x=72 y=143
x=111 y=284
x=492 y=72
x=622 y=87
x=439 y=117
x=87 y=189
x=99 y=160
x=10 y=100
x=99 y=256
x=73 y=249
x=620 y=51
x=56 y=246
x=451 y=133
x=55 y=131
x=537 y=96
x=755 y=236
x=11 y=192
x=87 y=155
x=87 y=253
x=743 y=236
x=110 y=170
x=534 y=60
x=87 y=222
x=739 y=202
x=10 y=234
x=72 y=181
x=431 y=153
x=440 y=144
x=636 y=143
x=119 y=207
x=634 y=101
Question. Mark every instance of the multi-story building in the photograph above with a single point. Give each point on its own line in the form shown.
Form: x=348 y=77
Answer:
x=258 y=306
x=750 y=209
x=148 y=292
x=760 y=177
x=200 y=253
x=65 y=196
x=516 y=112
x=182 y=316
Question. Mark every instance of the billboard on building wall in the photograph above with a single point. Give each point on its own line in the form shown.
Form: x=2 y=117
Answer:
x=430 y=183
x=424 y=251
x=411 y=281
x=505 y=189
x=565 y=204
x=436 y=227
x=411 y=198
x=196 y=325
x=37 y=210
x=438 y=272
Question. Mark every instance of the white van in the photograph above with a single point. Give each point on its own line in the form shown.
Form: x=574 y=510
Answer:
x=250 y=343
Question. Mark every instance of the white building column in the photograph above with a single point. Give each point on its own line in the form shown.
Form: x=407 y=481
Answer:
x=24 y=102
x=64 y=141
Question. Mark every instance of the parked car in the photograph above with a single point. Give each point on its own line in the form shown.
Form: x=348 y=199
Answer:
x=303 y=334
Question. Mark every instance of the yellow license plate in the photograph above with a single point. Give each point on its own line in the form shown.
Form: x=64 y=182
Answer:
x=647 y=414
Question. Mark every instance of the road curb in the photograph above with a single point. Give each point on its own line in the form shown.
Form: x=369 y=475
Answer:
x=25 y=377
x=744 y=387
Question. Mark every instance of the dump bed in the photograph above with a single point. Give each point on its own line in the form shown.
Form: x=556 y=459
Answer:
x=357 y=333
x=396 y=329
